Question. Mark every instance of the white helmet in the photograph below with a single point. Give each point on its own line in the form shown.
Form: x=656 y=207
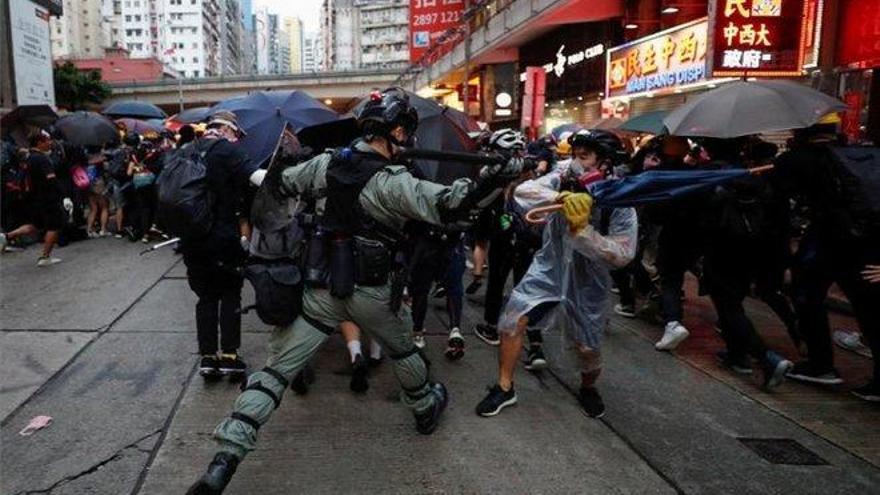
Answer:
x=507 y=139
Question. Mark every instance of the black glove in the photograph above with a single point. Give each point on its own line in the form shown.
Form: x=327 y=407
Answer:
x=272 y=182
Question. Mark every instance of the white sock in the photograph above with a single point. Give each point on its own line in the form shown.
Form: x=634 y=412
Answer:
x=354 y=348
x=375 y=350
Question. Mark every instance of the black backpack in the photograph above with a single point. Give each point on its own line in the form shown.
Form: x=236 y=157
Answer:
x=857 y=177
x=186 y=203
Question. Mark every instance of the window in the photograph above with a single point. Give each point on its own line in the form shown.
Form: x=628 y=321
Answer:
x=137 y=18
x=195 y=46
x=87 y=37
x=137 y=4
x=192 y=2
x=195 y=60
x=128 y=18
x=128 y=32
x=194 y=30
x=128 y=4
x=195 y=73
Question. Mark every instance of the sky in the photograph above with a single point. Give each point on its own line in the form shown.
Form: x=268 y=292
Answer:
x=307 y=10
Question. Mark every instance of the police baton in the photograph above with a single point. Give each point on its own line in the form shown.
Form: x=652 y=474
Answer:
x=160 y=245
x=453 y=156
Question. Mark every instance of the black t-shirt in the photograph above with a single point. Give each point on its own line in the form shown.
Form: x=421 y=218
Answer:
x=44 y=184
x=228 y=173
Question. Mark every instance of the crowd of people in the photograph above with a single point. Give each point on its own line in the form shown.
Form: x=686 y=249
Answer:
x=371 y=236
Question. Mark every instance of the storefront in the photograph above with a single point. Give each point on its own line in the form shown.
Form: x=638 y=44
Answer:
x=572 y=57
x=858 y=59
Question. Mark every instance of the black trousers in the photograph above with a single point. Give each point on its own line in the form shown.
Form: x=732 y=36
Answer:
x=440 y=260
x=143 y=209
x=507 y=253
x=677 y=252
x=730 y=269
x=218 y=288
x=819 y=264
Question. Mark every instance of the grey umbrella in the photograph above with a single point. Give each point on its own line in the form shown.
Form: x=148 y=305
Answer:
x=743 y=108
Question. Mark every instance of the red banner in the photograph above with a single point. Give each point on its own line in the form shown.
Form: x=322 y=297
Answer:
x=428 y=20
x=858 y=44
x=852 y=118
x=758 y=38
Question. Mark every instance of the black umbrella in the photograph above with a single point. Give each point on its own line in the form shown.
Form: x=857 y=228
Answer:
x=87 y=129
x=265 y=114
x=35 y=115
x=440 y=128
x=134 y=109
x=192 y=115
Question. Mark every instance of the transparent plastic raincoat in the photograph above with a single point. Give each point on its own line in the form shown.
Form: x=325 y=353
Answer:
x=571 y=269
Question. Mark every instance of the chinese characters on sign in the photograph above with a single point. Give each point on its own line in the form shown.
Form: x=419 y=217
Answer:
x=665 y=60
x=428 y=20
x=758 y=37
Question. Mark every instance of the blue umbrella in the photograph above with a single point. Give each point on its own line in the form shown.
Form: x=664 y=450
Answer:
x=264 y=115
x=559 y=130
x=659 y=185
x=134 y=109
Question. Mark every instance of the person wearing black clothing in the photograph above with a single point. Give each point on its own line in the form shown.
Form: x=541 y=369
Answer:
x=738 y=224
x=46 y=199
x=213 y=262
x=833 y=250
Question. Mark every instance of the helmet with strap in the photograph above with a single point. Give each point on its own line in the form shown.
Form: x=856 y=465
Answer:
x=507 y=140
x=385 y=111
x=606 y=144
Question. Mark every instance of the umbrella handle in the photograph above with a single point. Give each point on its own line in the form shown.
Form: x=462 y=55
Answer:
x=760 y=170
x=540 y=214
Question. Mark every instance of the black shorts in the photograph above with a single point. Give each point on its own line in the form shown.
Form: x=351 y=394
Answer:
x=47 y=215
x=484 y=226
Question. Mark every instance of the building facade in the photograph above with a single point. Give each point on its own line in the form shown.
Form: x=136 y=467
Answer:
x=78 y=33
x=293 y=27
x=312 y=53
x=365 y=34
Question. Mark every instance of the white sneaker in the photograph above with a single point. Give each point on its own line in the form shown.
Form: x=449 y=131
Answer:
x=419 y=340
x=674 y=334
x=47 y=261
x=103 y=233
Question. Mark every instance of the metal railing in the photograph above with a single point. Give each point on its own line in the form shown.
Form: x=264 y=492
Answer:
x=259 y=77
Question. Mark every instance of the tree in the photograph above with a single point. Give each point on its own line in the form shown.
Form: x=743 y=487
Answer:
x=74 y=88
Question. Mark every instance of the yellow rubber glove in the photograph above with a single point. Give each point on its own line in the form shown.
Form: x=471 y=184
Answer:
x=561 y=196
x=577 y=208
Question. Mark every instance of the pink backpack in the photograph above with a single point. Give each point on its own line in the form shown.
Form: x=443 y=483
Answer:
x=80 y=178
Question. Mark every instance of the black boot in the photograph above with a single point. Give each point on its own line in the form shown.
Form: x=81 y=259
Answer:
x=214 y=481
x=427 y=421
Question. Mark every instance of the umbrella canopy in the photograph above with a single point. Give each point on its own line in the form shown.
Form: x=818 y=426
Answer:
x=134 y=109
x=35 y=115
x=743 y=108
x=647 y=123
x=189 y=116
x=140 y=126
x=440 y=128
x=559 y=130
x=265 y=114
x=658 y=185
x=87 y=129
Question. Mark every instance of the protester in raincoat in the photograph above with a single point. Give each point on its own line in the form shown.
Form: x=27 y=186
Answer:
x=570 y=274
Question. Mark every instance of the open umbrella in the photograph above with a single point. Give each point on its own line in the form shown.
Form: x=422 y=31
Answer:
x=648 y=123
x=743 y=108
x=134 y=109
x=36 y=115
x=140 y=126
x=87 y=129
x=265 y=114
x=440 y=128
x=189 y=116
x=559 y=130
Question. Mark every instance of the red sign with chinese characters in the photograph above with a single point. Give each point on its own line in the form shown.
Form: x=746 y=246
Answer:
x=859 y=43
x=758 y=37
x=428 y=20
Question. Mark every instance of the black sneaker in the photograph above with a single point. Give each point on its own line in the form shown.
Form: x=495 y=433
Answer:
x=439 y=292
x=214 y=481
x=359 y=383
x=625 y=310
x=487 y=333
x=374 y=362
x=535 y=360
x=455 y=345
x=302 y=380
x=427 y=421
x=474 y=286
x=208 y=367
x=497 y=400
x=591 y=402
x=739 y=364
x=775 y=367
x=231 y=364
x=869 y=392
x=806 y=371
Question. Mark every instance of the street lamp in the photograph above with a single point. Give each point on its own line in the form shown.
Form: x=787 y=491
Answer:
x=669 y=10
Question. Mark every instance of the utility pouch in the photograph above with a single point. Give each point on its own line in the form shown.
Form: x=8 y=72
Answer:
x=342 y=267
x=372 y=262
x=316 y=261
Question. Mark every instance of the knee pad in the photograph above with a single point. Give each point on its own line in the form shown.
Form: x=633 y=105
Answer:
x=262 y=381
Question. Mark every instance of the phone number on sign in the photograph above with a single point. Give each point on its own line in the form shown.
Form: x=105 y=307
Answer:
x=436 y=18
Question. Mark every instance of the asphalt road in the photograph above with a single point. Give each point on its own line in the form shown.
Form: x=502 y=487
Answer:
x=104 y=343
